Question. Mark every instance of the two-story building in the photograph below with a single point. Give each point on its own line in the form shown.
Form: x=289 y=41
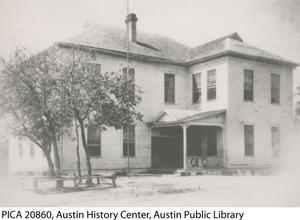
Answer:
x=221 y=104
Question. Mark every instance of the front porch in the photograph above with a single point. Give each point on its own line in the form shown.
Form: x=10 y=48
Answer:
x=185 y=139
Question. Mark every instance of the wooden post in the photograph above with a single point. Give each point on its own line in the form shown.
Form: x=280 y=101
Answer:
x=184 y=128
x=114 y=177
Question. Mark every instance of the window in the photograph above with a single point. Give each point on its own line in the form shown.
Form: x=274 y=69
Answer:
x=248 y=85
x=275 y=88
x=131 y=77
x=275 y=141
x=94 y=68
x=94 y=140
x=196 y=88
x=211 y=142
x=129 y=140
x=169 y=88
x=211 y=85
x=249 y=140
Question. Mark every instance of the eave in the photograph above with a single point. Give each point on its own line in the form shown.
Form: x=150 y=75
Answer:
x=136 y=56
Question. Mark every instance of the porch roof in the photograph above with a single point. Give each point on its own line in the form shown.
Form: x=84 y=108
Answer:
x=171 y=117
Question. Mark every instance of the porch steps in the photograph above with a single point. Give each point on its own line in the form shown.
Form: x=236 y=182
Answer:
x=225 y=172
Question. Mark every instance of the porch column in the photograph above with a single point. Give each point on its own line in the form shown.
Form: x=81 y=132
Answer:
x=184 y=128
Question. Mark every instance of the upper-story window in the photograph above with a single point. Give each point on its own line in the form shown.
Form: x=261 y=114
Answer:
x=94 y=68
x=196 y=88
x=129 y=141
x=249 y=140
x=248 y=85
x=130 y=76
x=211 y=85
x=275 y=88
x=94 y=140
x=169 y=88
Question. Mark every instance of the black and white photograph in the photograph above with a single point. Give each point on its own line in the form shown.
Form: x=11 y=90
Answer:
x=147 y=103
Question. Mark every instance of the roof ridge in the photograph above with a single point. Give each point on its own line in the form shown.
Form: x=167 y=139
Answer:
x=233 y=35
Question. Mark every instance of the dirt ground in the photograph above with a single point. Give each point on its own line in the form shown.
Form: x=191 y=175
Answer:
x=163 y=190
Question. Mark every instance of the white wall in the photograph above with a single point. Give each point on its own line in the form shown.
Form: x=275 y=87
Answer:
x=260 y=113
x=150 y=77
x=220 y=64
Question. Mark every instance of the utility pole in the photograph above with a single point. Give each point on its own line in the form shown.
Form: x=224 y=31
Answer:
x=127 y=73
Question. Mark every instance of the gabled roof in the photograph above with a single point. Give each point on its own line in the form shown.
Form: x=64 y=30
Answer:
x=109 y=39
x=179 y=116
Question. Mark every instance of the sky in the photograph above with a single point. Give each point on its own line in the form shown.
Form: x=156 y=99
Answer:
x=273 y=25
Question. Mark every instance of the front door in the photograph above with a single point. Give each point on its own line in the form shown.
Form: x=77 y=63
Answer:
x=167 y=151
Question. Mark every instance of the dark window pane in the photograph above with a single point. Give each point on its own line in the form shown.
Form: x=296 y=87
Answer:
x=196 y=88
x=211 y=85
x=211 y=142
x=94 y=140
x=249 y=140
x=169 y=88
x=131 y=149
x=211 y=93
x=94 y=150
x=129 y=140
x=248 y=85
x=131 y=79
x=130 y=76
x=275 y=88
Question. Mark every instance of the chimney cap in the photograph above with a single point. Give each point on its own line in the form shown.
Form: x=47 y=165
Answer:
x=131 y=17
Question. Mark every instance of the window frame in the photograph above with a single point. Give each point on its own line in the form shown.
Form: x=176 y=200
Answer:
x=90 y=66
x=125 y=74
x=126 y=142
x=94 y=145
x=272 y=89
x=245 y=141
x=197 y=90
x=209 y=87
x=245 y=84
x=174 y=89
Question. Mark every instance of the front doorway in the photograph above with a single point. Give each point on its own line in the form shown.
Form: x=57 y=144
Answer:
x=166 y=148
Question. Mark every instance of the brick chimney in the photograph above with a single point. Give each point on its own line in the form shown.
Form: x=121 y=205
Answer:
x=131 y=27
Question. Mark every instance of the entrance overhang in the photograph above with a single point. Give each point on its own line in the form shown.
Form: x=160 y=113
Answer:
x=183 y=117
x=186 y=118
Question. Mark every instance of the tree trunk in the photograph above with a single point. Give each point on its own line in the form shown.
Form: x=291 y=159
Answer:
x=86 y=150
x=77 y=151
x=59 y=183
x=50 y=163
